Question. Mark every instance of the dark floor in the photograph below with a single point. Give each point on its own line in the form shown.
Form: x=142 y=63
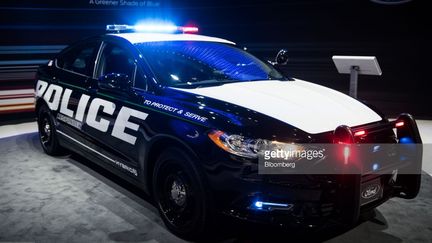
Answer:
x=58 y=199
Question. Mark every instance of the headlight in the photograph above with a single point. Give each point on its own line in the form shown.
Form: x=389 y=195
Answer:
x=247 y=147
x=237 y=144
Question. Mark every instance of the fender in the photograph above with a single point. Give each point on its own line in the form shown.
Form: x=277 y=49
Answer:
x=150 y=152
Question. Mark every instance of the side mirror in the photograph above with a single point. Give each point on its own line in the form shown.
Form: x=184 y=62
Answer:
x=116 y=82
x=282 y=57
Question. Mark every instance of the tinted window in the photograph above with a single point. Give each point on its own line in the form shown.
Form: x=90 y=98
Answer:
x=79 y=59
x=191 y=63
x=116 y=60
x=141 y=81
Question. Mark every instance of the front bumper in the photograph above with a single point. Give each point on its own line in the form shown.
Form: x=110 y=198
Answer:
x=310 y=200
x=334 y=200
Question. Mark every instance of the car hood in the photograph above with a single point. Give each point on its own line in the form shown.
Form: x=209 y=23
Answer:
x=310 y=107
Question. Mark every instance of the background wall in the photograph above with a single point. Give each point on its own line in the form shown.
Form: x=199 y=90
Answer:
x=311 y=30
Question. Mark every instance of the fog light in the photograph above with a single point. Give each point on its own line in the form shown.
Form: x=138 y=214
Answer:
x=406 y=140
x=269 y=206
x=258 y=204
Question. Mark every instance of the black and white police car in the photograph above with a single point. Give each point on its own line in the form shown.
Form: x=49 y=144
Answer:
x=183 y=116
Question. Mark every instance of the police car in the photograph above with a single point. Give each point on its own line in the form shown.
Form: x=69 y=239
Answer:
x=183 y=116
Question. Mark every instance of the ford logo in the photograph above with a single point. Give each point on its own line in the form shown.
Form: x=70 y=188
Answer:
x=370 y=191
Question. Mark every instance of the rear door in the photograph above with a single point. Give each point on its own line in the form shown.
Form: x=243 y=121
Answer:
x=75 y=67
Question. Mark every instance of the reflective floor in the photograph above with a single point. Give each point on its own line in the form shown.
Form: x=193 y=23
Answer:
x=53 y=199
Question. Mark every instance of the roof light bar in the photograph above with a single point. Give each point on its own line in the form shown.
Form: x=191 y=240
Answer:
x=154 y=28
x=118 y=27
x=188 y=29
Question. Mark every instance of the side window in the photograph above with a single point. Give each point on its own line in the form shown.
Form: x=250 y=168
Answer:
x=79 y=59
x=141 y=81
x=116 y=60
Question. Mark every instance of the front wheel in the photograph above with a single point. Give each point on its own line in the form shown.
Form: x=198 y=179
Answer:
x=47 y=132
x=181 y=197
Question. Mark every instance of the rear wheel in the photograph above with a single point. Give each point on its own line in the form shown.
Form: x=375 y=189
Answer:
x=47 y=132
x=180 y=195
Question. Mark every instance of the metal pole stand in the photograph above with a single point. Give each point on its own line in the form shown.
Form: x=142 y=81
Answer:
x=355 y=65
x=354 y=81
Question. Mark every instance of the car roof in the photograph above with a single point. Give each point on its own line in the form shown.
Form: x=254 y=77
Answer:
x=136 y=38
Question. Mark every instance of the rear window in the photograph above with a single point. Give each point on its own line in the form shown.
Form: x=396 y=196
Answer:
x=79 y=59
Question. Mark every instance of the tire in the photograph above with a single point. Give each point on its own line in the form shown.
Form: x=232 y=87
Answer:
x=182 y=200
x=47 y=132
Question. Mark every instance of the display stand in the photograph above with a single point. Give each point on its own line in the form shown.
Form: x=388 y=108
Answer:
x=355 y=65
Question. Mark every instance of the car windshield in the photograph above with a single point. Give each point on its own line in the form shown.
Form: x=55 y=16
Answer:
x=191 y=64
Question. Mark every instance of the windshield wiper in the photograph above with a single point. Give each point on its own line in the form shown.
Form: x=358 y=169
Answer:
x=204 y=83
